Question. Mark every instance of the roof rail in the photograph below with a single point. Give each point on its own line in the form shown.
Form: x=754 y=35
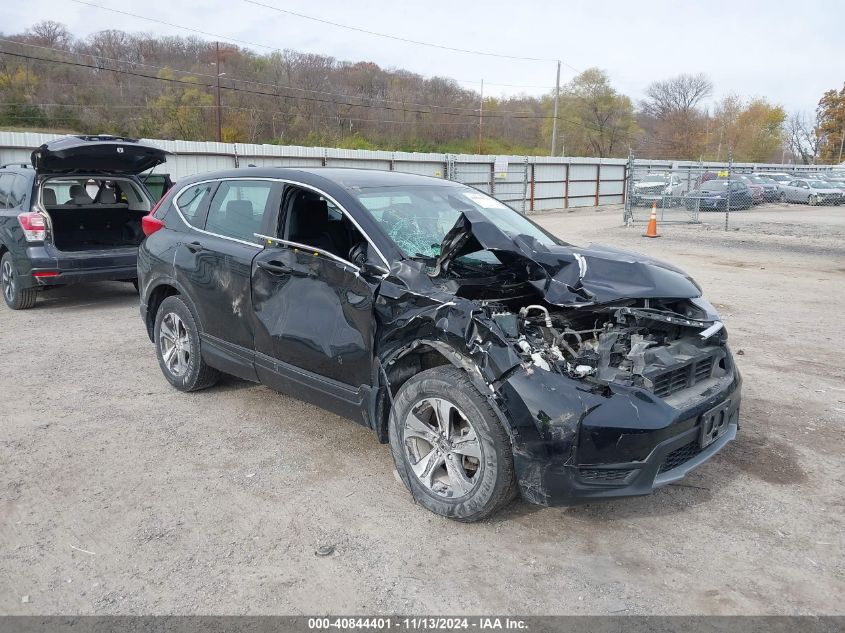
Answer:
x=27 y=165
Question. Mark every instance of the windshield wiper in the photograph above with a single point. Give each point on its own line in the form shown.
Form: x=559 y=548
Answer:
x=428 y=259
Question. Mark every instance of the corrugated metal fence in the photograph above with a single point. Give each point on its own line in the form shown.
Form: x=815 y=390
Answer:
x=527 y=183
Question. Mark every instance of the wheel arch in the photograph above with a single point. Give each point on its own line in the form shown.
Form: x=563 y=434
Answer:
x=158 y=292
x=422 y=354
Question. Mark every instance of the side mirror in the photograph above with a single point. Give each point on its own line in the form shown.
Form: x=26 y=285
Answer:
x=363 y=256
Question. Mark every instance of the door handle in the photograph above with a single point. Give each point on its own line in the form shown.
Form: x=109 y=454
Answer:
x=274 y=268
x=195 y=247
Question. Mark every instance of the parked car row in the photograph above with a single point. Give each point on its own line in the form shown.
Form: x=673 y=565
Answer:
x=494 y=358
x=737 y=191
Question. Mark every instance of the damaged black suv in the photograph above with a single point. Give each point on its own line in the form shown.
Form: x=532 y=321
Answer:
x=494 y=358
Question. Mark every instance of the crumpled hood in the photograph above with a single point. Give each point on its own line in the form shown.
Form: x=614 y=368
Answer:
x=568 y=275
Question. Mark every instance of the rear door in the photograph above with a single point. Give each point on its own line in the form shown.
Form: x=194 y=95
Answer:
x=214 y=259
x=96 y=154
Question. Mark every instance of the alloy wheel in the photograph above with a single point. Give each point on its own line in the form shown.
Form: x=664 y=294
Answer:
x=174 y=344
x=442 y=448
x=7 y=280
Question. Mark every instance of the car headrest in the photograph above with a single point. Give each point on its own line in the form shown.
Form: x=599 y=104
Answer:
x=239 y=211
x=78 y=195
x=108 y=196
x=48 y=196
x=312 y=216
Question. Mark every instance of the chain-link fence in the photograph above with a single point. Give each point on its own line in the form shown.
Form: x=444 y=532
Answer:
x=690 y=192
x=670 y=191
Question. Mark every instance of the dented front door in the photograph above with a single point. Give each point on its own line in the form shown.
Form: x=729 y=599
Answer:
x=314 y=313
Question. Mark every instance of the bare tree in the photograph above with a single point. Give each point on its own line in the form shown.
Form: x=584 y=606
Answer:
x=49 y=33
x=803 y=138
x=675 y=125
x=681 y=94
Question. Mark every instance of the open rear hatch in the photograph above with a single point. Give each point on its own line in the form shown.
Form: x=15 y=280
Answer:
x=97 y=154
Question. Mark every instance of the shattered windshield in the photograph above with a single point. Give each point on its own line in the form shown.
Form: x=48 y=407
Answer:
x=418 y=218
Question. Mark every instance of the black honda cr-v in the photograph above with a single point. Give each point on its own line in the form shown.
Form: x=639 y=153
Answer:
x=73 y=215
x=493 y=357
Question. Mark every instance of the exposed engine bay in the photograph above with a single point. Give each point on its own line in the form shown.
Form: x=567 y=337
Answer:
x=664 y=347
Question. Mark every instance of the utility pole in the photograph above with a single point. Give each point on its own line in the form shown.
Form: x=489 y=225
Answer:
x=730 y=183
x=554 y=119
x=219 y=122
x=841 y=143
x=480 y=115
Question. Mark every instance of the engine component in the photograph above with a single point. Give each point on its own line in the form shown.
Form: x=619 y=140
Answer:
x=652 y=347
x=523 y=313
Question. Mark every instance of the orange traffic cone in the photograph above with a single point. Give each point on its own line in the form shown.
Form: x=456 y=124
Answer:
x=651 y=231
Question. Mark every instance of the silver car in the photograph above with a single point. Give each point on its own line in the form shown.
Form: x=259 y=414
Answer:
x=667 y=190
x=812 y=192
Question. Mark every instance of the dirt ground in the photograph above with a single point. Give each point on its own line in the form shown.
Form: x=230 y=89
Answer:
x=119 y=494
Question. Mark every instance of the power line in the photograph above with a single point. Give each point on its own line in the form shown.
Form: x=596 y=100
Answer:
x=622 y=135
x=177 y=26
x=225 y=107
x=493 y=83
x=404 y=39
x=277 y=49
x=269 y=94
x=249 y=81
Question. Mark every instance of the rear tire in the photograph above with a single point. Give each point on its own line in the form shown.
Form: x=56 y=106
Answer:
x=16 y=298
x=813 y=201
x=177 y=343
x=782 y=198
x=465 y=467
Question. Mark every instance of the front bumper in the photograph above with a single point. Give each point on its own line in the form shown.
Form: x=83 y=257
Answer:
x=572 y=446
x=649 y=198
x=705 y=203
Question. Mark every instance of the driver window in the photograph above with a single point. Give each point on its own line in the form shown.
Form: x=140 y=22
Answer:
x=310 y=219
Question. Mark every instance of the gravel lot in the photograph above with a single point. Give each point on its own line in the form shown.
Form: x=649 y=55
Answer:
x=119 y=494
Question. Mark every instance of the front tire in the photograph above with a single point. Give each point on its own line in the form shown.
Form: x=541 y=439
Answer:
x=16 y=298
x=449 y=447
x=177 y=343
x=813 y=201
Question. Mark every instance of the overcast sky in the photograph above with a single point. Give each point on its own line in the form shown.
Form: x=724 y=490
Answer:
x=787 y=52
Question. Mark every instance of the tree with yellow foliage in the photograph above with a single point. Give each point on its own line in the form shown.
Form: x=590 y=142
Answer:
x=830 y=128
